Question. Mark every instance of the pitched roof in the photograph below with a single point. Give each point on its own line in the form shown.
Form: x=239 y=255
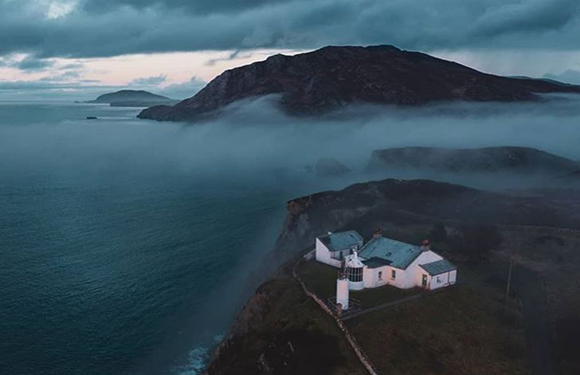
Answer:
x=399 y=254
x=342 y=240
x=438 y=267
x=375 y=262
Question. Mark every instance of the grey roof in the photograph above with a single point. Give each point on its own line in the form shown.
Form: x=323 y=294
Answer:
x=400 y=254
x=342 y=240
x=438 y=267
x=375 y=262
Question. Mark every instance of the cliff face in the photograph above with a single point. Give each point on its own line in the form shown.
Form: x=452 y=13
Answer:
x=478 y=160
x=333 y=77
x=281 y=331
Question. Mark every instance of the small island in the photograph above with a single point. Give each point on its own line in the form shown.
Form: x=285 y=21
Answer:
x=133 y=98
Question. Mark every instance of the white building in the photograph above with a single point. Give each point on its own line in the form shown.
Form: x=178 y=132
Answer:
x=383 y=261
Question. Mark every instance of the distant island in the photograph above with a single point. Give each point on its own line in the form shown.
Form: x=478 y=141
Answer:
x=509 y=159
x=133 y=98
x=334 y=77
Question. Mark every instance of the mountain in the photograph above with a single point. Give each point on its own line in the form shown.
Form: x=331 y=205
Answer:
x=333 y=77
x=519 y=160
x=133 y=98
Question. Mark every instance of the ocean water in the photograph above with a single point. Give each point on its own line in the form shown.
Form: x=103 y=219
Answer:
x=127 y=246
x=120 y=253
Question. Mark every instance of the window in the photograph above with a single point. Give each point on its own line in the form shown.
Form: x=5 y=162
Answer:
x=393 y=274
x=355 y=274
x=380 y=275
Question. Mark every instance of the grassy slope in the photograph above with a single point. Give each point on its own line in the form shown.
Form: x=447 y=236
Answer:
x=555 y=255
x=455 y=332
x=464 y=330
x=318 y=346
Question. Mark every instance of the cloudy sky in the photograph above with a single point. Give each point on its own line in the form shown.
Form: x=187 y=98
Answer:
x=175 y=46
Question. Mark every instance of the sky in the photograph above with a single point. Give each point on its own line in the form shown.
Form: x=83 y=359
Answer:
x=174 y=47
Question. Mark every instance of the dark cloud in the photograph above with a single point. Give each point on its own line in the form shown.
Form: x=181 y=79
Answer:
x=528 y=17
x=175 y=91
x=63 y=77
x=193 y=6
x=183 y=90
x=73 y=66
x=146 y=81
x=28 y=64
x=33 y=64
x=117 y=27
x=232 y=56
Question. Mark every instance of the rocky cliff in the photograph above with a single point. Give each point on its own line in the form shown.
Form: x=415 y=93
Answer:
x=333 y=77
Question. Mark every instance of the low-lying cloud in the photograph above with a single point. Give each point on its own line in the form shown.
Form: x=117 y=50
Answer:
x=568 y=76
x=254 y=142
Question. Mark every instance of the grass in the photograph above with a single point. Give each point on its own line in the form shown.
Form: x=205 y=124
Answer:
x=555 y=255
x=383 y=294
x=321 y=279
x=287 y=330
x=459 y=331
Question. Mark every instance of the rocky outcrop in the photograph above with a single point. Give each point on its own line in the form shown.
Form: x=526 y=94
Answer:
x=522 y=160
x=333 y=77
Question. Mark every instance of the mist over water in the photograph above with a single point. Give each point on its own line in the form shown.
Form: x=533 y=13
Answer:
x=126 y=245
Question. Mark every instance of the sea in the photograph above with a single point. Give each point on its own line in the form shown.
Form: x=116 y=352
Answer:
x=128 y=246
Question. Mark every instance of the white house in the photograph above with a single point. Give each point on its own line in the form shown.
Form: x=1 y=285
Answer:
x=333 y=248
x=383 y=261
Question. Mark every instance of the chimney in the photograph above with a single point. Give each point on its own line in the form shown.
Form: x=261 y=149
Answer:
x=425 y=245
x=378 y=233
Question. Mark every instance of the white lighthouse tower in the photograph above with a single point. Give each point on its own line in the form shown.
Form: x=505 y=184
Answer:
x=342 y=291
